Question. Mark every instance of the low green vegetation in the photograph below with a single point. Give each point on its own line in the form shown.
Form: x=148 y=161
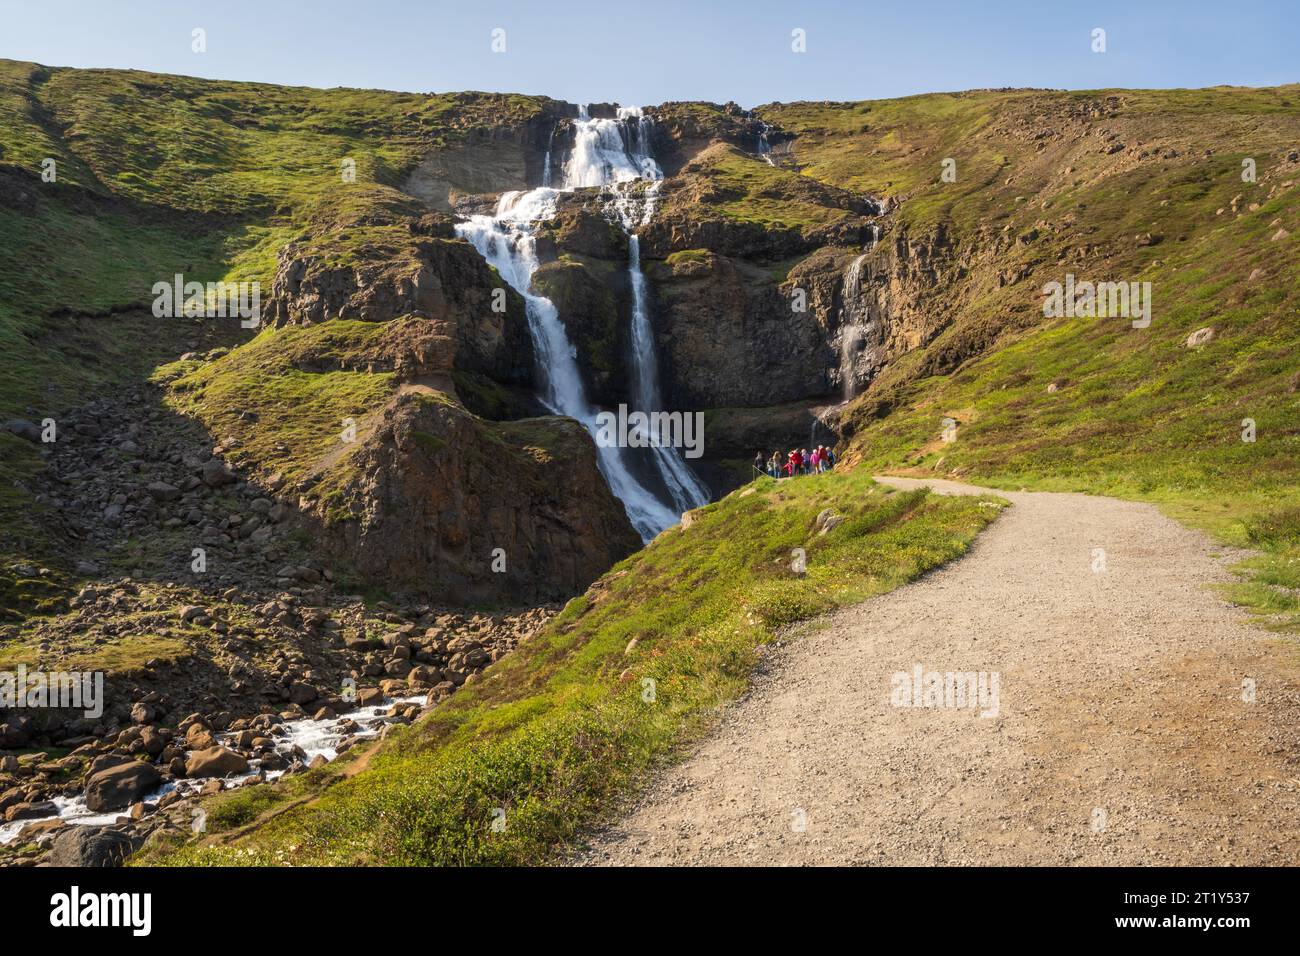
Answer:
x=1211 y=433
x=121 y=655
x=557 y=733
x=753 y=191
x=287 y=396
x=238 y=808
x=1109 y=185
x=744 y=189
x=689 y=257
x=156 y=175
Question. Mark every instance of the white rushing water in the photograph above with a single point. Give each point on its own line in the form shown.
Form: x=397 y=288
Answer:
x=859 y=332
x=854 y=319
x=614 y=154
x=765 y=147
x=303 y=739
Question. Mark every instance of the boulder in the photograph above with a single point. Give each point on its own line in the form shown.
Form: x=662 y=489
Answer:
x=834 y=521
x=91 y=846
x=1200 y=337
x=14 y=735
x=199 y=738
x=121 y=785
x=423 y=675
x=162 y=491
x=827 y=519
x=152 y=741
x=23 y=429
x=369 y=696
x=107 y=761
x=302 y=693
x=217 y=473
x=215 y=762
x=33 y=810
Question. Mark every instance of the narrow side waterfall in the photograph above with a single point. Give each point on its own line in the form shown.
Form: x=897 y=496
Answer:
x=686 y=489
x=853 y=327
x=765 y=147
x=860 y=331
x=546 y=167
x=611 y=153
x=632 y=203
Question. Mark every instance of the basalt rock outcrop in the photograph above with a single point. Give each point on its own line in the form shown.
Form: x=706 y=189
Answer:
x=405 y=262
x=434 y=492
x=471 y=511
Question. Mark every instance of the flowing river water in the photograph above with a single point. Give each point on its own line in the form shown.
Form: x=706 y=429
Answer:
x=303 y=740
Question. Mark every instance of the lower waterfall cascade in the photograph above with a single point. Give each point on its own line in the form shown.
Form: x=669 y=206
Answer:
x=615 y=155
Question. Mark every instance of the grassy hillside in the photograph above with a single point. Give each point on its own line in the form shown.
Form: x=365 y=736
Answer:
x=167 y=174
x=163 y=174
x=560 y=730
x=1108 y=185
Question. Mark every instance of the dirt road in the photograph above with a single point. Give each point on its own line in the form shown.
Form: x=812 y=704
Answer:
x=1120 y=737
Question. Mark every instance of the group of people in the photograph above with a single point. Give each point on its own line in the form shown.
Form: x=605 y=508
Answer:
x=797 y=462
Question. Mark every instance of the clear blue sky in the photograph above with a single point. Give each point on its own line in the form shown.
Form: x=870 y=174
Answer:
x=649 y=52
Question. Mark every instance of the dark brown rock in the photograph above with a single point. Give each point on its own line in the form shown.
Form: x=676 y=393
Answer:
x=121 y=785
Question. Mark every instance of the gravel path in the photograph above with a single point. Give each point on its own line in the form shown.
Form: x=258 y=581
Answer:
x=1121 y=735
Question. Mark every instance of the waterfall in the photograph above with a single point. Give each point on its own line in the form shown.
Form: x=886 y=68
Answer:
x=764 y=147
x=546 y=166
x=631 y=202
x=602 y=157
x=686 y=490
x=613 y=153
x=857 y=330
x=854 y=317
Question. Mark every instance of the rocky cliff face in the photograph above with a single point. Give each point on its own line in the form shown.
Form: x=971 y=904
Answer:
x=433 y=492
x=416 y=267
x=441 y=502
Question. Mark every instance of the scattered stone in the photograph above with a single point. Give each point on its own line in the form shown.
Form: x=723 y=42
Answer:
x=162 y=491
x=23 y=429
x=32 y=810
x=92 y=846
x=120 y=786
x=217 y=473
x=215 y=762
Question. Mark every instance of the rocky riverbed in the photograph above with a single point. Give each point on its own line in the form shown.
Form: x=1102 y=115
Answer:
x=252 y=663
